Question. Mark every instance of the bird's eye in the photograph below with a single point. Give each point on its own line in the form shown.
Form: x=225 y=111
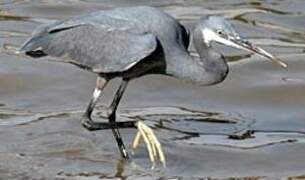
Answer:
x=219 y=32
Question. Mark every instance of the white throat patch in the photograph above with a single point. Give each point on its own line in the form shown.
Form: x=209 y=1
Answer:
x=209 y=35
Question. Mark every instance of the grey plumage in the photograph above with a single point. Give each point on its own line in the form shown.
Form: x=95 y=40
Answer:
x=109 y=41
x=135 y=41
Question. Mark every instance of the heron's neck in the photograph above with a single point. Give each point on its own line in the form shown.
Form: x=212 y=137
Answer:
x=210 y=68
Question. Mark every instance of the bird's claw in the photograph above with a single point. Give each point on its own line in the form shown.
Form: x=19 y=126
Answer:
x=153 y=145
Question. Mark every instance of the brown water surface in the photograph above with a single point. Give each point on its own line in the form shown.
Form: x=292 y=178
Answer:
x=251 y=125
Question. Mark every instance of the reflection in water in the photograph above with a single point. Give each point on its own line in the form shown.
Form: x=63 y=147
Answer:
x=188 y=121
x=192 y=126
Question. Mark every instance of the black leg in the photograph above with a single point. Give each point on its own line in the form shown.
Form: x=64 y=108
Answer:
x=92 y=126
x=87 y=121
x=113 y=108
x=106 y=125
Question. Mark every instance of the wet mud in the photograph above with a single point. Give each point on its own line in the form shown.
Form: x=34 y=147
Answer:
x=251 y=126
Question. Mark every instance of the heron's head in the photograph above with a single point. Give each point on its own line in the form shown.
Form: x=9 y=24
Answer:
x=217 y=29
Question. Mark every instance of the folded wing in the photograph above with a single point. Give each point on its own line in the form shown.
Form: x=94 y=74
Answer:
x=100 y=48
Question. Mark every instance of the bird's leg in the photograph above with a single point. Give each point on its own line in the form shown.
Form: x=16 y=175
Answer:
x=146 y=133
x=113 y=108
x=89 y=124
x=153 y=145
x=87 y=121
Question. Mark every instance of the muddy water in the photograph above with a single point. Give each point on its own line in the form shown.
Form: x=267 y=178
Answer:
x=251 y=125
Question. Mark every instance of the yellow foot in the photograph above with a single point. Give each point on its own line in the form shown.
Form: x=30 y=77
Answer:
x=153 y=145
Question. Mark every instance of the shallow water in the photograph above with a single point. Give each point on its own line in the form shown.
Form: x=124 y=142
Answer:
x=251 y=125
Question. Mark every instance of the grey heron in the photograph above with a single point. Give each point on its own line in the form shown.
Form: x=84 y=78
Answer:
x=130 y=42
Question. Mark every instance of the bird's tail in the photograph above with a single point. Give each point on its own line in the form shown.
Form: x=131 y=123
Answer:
x=32 y=48
x=34 y=45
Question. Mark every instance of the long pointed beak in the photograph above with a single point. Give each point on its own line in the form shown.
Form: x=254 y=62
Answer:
x=246 y=45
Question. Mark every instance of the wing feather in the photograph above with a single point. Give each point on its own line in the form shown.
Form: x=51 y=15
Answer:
x=103 y=49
